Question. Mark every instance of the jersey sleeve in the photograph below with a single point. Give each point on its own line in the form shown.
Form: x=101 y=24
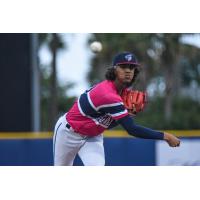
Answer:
x=114 y=106
x=139 y=131
x=113 y=124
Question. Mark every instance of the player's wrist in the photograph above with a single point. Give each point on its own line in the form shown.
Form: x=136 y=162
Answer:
x=166 y=136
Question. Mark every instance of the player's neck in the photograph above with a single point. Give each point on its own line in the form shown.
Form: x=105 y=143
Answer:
x=119 y=86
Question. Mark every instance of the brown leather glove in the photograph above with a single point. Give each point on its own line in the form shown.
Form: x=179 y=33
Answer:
x=134 y=101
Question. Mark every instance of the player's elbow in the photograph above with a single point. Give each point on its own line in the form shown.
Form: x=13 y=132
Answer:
x=134 y=133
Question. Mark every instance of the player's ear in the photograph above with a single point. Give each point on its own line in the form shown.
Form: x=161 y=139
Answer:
x=110 y=74
x=115 y=71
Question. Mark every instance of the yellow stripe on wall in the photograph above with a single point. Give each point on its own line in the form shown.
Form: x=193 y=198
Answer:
x=26 y=135
x=108 y=134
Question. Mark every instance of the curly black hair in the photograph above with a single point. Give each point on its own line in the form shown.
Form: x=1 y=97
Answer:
x=110 y=74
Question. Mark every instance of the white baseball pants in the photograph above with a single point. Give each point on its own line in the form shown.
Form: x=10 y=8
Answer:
x=67 y=144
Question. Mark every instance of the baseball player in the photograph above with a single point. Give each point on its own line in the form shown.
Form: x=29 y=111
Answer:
x=105 y=105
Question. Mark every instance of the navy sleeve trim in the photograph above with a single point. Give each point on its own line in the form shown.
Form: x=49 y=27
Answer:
x=86 y=107
x=113 y=124
x=139 y=131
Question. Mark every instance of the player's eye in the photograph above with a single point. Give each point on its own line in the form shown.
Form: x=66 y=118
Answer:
x=131 y=67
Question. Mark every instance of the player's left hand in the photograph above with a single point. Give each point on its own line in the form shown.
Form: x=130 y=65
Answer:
x=172 y=140
x=134 y=101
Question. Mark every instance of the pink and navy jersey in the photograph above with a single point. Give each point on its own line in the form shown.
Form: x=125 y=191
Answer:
x=96 y=109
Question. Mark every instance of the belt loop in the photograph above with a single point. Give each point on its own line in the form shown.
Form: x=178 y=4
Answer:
x=68 y=126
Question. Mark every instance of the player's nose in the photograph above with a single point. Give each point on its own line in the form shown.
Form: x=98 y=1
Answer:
x=127 y=69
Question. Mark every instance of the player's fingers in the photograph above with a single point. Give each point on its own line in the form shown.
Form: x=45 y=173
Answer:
x=179 y=143
x=134 y=108
x=175 y=144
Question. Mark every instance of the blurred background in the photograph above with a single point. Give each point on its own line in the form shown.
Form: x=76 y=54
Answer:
x=42 y=74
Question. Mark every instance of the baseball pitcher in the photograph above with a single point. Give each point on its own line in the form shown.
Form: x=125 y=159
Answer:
x=104 y=106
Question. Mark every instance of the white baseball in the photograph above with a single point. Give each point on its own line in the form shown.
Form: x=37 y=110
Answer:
x=96 y=46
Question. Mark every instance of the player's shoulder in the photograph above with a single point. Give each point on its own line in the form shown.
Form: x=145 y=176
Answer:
x=105 y=93
x=102 y=88
x=112 y=98
x=110 y=92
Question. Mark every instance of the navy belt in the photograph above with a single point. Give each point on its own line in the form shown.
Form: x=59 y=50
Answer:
x=70 y=128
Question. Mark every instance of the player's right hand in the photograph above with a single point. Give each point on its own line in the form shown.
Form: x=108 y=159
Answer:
x=172 y=140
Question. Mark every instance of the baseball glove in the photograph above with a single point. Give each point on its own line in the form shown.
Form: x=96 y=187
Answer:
x=134 y=101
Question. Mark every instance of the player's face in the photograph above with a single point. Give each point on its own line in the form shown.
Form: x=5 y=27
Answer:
x=125 y=73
